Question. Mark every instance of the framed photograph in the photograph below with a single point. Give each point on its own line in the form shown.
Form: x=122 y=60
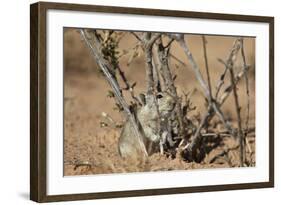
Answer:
x=134 y=102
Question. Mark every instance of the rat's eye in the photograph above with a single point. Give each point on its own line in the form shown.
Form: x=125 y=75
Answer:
x=159 y=96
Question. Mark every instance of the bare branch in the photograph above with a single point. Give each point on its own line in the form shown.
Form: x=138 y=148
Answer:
x=104 y=65
x=195 y=68
x=213 y=105
x=136 y=36
x=201 y=81
x=171 y=54
x=226 y=133
x=245 y=69
x=221 y=79
x=163 y=53
x=237 y=107
x=204 y=40
x=128 y=87
x=197 y=136
x=149 y=71
x=230 y=60
x=228 y=90
x=148 y=40
x=177 y=59
x=156 y=72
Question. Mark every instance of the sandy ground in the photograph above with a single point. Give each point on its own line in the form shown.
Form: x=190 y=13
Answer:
x=90 y=148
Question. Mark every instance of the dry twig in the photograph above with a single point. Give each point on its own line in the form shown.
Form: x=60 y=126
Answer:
x=163 y=53
x=245 y=69
x=237 y=107
x=105 y=67
x=213 y=105
x=204 y=40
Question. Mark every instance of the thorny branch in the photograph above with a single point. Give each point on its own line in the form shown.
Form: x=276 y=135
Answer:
x=230 y=60
x=204 y=40
x=104 y=65
x=170 y=54
x=199 y=77
x=214 y=106
x=148 y=40
x=229 y=88
x=163 y=53
x=237 y=107
x=245 y=69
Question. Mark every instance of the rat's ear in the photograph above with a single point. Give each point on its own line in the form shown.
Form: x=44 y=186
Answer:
x=149 y=99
